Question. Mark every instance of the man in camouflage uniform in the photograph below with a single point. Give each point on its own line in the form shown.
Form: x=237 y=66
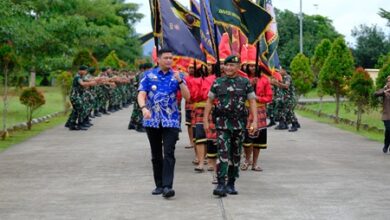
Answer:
x=230 y=115
x=77 y=98
x=286 y=103
x=136 y=115
x=291 y=102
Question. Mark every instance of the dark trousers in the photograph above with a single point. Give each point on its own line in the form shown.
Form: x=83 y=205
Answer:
x=387 y=132
x=162 y=143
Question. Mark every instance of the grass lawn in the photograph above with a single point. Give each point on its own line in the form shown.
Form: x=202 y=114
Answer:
x=313 y=94
x=372 y=118
x=22 y=135
x=17 y=112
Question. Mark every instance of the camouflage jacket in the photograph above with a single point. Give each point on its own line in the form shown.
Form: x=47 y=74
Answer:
x=230 y=112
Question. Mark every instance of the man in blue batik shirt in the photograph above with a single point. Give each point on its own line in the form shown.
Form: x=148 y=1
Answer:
x=157 y=99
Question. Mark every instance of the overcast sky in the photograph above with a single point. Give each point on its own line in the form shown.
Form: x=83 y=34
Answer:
x=345 y=14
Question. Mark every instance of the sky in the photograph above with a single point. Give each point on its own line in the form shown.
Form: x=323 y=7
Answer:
x=345 y=14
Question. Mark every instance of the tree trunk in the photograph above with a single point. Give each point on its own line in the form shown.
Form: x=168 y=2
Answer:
x=337 y=107
x=359 y=118
x=5 y=102
x=29 y=118
x=32 y=78
x=320 y=110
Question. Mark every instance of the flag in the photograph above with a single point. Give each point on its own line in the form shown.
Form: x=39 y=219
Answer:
x=189 y=18
x=244 y=14
x=175 y=33
x=145 y=38
x=207 y=28
x=155 y=16
x=271 y=35
x=238 y=40
x=195 y=7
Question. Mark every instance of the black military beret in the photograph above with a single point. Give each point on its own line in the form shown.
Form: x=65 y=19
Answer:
x=232 y=59
x=148 y=65
x=91 y=69
x=83 y=67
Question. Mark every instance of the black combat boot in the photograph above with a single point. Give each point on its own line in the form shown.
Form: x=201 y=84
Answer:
x=104 y=111
x=131 y=126
x=293 y=128
x=97 y=113
x=271 y=122
x=230 y=189
x=221 y=188
x=282 y=125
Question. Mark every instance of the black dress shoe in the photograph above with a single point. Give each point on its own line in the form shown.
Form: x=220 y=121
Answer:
x=167 y=192
x=157 y=191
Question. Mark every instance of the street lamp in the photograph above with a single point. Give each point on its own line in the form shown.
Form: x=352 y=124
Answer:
x=300 y=29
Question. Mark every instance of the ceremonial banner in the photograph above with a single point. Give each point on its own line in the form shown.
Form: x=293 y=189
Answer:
x=244 y=14
x=175 y=33
x=195 y=7
x=207 y=28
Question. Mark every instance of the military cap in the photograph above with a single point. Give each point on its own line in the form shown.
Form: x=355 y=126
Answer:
x=148 y=65
x=91 y=69
x=83 y=67
x=232 y=59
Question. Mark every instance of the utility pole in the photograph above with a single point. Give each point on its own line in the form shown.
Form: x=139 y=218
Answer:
x=300 y=29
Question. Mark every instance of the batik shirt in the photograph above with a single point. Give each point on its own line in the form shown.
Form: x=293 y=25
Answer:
x=161 y=91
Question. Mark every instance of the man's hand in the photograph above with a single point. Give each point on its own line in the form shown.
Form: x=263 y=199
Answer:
x=177 y=76
x=146 y=113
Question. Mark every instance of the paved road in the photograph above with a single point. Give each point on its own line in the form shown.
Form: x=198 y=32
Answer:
x=319 y=172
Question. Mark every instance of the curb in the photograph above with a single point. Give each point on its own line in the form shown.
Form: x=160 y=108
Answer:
x=39 y=120
x=345 y=121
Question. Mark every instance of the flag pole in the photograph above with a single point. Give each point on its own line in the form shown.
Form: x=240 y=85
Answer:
x=218 y=64
x=257 y=72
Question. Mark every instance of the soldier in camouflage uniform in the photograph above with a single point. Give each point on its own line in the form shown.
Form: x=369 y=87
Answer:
x=291 y=102
x=136 y=115
x=286 y=103
x=230 y=115
x=77 y=96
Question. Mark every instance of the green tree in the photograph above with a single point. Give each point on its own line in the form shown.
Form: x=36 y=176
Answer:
x=360 y=92
x=113 y=61
x=337 y=71
x=85 y=57
x=384 y=72
x=32 y=99
x=385 y=14
x=317 y=62
x=371 y=44
x=315 y=28
x=302 y=74
x=320 y=54
x=64 y=81
x=8 y=61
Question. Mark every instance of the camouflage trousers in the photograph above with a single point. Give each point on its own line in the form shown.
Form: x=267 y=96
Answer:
x=279 y=110
x=290 y=114
x=136 y=115
x=79 y=111
x=229 y=144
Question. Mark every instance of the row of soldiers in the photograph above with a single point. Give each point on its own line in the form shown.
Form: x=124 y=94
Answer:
x=91 y=96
